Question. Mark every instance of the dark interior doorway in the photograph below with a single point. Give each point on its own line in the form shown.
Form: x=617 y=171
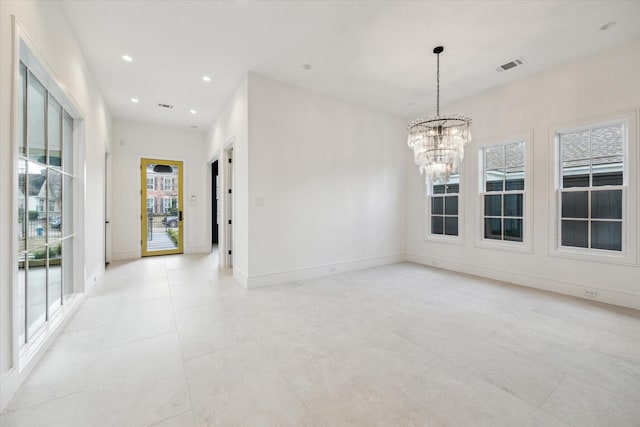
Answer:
x=215 y=208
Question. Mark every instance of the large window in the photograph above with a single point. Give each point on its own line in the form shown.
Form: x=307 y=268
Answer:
x=45 y=200
x=443 y=207
x=503 y=194
x=592 y=190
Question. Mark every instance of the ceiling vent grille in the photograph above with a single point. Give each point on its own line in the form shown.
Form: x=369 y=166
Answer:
x=161 y=105
x=511 y=64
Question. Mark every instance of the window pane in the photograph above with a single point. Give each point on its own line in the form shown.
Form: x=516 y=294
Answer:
x=575 y=204
x=66 y=218
x=451 y=226
x=494 y=180
x=513 y=205
x=36 y=290
x=67 y=143
x=36 y=203
x=22 y=283
x=494 y=158
x=607 y=178
x=574 y=233
x=513 y=229
x=54 y=278
x=574 y=146
x=493 y=228
x=493 y=205
x=514 y=154
x=438 y=189
x=575 y=181
x=607 y=141
x=606 y=204
x=54 y=124
x=451 y=205
x=54 y=205
x=437 y=226
x=67 y=266
x=22 y=82
x=36 y=94
x=437 y=205
x=22 y=205
x=514 y=181
x=453 y=188
x=606 y=235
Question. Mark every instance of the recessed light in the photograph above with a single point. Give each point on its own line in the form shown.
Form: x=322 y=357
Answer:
x=127 y=58
x=607 y=26
x=193 y=127
x=193 y=111
x=135 y=100
x=206 y=78
x=306 y=66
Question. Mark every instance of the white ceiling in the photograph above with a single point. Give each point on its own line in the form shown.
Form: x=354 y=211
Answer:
x=374 y=53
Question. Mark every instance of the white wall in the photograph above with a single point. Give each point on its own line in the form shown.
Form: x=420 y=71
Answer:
x=133 y=141
x=231 y=127
x=48 y=29
x=326 y=184
x=587 y=88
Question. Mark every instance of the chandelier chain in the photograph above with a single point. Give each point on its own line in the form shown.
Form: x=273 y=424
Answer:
x=438 y=86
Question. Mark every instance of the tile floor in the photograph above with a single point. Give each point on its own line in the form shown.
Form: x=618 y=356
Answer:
x=172 y=341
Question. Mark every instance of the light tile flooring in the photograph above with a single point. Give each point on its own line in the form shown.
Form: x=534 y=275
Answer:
x=172 y=341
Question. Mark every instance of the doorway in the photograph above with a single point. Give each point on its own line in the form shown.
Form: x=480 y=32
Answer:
x=215 y=206
x=161 y=217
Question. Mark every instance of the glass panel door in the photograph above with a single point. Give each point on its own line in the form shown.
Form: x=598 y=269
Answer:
x=161 y=207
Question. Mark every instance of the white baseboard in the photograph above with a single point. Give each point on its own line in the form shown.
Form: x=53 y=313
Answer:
x=122 y=256
x=198 y=250
x=562 y=287
x=240 y=277
x=269 y=279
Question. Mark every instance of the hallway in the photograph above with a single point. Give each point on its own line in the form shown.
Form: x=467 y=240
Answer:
x=173 y=341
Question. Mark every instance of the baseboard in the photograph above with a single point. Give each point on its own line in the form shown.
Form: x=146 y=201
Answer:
x=240 y=277
x=269 y=279
x=562 y=287
x=198 y=250
x=123 y=256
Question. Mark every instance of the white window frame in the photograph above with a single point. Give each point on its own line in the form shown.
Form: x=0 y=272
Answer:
x=153 y=204
x=168 y=187
x=26 y=51
x=153 y=183
x=443 y=238
x=166 y=209
x=630 y=188
x=527 y=227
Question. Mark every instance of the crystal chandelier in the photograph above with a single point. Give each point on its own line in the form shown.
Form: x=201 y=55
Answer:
x=438 y=141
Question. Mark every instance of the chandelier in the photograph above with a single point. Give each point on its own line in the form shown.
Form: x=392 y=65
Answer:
x=438 y=141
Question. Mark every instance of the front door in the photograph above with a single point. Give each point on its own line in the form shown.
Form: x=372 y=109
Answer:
x=161 y=207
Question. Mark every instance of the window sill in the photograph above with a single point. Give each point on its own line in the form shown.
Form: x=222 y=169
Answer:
x=594 y=255
x=504 y=245
x=440 y=238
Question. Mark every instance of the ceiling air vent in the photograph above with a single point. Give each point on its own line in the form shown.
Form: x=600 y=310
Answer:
x=161 y=105
x=511 y=64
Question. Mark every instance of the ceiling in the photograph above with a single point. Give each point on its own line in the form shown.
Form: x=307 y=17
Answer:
x=373 y=53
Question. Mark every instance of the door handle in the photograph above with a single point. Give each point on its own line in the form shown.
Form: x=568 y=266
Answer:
x=180 y=216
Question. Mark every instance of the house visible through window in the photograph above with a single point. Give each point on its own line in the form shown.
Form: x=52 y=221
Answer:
x=166 y=204
x=150 y=205
x=504 y=186
x=444 y=207
x=167 y=183
x=592 y=187
x=151 y=184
